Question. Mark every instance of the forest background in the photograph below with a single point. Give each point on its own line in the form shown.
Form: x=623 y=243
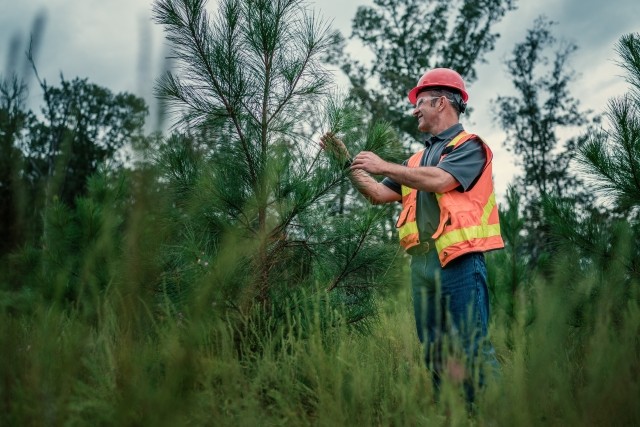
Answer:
x=81 y=40
x=223 y=271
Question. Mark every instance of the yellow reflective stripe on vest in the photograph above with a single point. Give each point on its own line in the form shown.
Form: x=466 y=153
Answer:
x=455 y=140
x=465 y=234
x=473 y=232
x=488 y=208
x=408 y=228
x=406 y=190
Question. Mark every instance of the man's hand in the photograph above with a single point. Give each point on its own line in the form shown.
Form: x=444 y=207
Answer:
x=366 y=161
x=369 y=162
x=334 y=147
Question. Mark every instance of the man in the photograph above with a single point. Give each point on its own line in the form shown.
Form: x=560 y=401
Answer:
x=449 y=219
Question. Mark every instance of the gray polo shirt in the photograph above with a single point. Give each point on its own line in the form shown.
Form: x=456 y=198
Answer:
x=465 y=163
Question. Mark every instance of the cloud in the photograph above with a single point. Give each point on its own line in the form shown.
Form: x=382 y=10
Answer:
x=105 y=42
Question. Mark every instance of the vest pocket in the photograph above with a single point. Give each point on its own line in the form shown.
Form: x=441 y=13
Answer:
x=404 y=216
x=445 y=220
x=461 y=227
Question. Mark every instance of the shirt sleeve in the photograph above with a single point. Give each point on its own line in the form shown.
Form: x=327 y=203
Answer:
x=465 y=163
x=388 y=182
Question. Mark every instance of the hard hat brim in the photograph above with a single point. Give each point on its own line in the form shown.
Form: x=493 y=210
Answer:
x=413 y=93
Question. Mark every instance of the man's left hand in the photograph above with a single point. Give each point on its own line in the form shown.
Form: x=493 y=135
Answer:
x=369 y=162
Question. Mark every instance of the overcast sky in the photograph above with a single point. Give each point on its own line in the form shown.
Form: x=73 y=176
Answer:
x=114 y=44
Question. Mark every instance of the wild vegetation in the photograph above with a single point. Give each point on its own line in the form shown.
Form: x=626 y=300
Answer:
x=230 y=278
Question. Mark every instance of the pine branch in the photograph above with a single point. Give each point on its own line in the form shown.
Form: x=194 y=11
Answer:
x=200 y=44
x=188 y=30
x=625 y=122
x=301 y=206
x=347 y=269
x=628 y=49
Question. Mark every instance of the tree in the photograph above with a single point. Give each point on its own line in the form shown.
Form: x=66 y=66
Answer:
x=407 y=37
x=246 y=180
x=532 y=119
x=13 y=119
x=83 y=126
x=62 y=189
x=610 y=160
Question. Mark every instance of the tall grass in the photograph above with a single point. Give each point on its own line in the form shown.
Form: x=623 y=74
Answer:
x=570 y=356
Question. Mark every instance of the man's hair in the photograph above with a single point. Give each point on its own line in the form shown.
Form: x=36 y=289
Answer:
x=454 y=97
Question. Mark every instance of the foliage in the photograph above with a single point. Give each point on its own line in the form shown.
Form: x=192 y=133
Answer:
x=610 y=161
x=533 y=121
x=59 y=368
x=13 y=118
x=83 y=126
x=244 y=173
x=510 y=280
x=611 y=158
x=49 y=158
x=408 y=37
x=138 y=304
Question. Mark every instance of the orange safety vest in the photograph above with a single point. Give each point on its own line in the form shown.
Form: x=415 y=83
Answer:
x=468 y=220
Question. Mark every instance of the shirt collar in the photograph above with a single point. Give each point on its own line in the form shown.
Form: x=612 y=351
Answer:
x=445 y=135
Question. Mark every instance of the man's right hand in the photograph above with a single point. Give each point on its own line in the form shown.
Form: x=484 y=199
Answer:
x=334 y=147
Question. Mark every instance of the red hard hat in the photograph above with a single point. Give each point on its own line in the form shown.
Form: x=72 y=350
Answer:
x=439 y=77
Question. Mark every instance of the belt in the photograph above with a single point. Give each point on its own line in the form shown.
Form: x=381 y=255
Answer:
x=422 y=248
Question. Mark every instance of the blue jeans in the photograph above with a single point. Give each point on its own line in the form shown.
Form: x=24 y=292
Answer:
x=451 y=308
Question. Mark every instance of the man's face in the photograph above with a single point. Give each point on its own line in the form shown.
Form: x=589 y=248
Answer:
x=426 y=110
